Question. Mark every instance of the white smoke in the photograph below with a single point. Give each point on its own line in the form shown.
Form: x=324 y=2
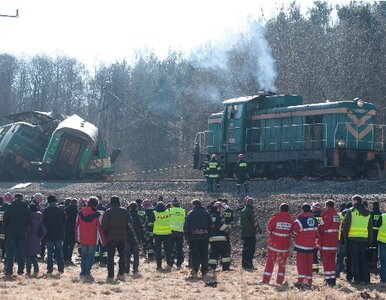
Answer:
x=261 y=51
x=257 y=60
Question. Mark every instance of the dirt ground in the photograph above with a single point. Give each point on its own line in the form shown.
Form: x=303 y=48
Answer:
x=150 y=284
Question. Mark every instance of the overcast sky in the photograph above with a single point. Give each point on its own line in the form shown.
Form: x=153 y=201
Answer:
x=111 y=30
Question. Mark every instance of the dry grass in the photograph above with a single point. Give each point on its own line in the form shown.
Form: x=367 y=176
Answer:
x=150 y=284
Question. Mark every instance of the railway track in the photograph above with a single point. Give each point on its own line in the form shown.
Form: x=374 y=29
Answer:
x=183 y=180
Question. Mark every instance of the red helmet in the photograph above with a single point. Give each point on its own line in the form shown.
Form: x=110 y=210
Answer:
x=8 y=197
x=241 y=155
x=146 y=203
x=219 y=205
x=316 y=206
x=248 y=200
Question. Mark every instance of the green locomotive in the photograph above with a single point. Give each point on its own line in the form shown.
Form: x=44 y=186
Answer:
x=281 y=136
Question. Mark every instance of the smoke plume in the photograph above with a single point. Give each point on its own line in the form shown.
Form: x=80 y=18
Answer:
x=244 y=55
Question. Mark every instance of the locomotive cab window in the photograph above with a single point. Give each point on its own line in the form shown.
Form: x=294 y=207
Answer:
x=3 y=131
x=26 y=132
x=314 y=132
x=235 y=111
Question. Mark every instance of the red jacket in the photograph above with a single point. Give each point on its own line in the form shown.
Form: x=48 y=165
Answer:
x=328 y=231
x=305 y=230
x=88 y=229
x=279 y=228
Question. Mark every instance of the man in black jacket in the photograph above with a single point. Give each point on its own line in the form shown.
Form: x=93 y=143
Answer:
x=197 y=229
x=115 y=225
x=69 y=239
x=16 y=221
x=134 y=238
x=54 y=219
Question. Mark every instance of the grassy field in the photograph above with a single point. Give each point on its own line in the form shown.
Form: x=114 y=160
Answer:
x=176 y=284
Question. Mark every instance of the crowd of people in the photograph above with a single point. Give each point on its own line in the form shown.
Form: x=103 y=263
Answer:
x=346 y=240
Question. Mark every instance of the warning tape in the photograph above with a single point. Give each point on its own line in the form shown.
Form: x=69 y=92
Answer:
x=152 y=171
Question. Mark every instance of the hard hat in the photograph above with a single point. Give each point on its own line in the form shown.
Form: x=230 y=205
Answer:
x=38 y=198
x=213 y=156
x=219 y=205
x=8 y=197
x=241 y=155
x=248 y=200
x=146 y=203
x=316 y=206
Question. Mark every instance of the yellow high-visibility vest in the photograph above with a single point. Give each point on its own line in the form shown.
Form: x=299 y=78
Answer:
x=177 y=219
x=341 y=218
x=242 y=165
x=359 y=225
x=382 y=230
x=162 y=223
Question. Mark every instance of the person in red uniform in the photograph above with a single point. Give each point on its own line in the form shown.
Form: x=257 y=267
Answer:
x=328 y=241
x=279 y=228
x=305 y=230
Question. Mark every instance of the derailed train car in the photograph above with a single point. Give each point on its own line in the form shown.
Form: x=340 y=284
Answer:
x=76 y=150
x=281 y=136
x=51 y=146
x=24 y=141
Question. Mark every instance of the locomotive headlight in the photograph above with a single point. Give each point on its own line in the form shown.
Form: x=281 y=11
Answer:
x=359 y=102
x=341 y=143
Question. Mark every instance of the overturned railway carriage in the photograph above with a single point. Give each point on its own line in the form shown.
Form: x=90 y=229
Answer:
x=23 y=142
x=281 y=136
x=76 y=151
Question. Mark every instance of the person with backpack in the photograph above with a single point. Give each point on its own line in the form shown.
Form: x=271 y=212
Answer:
x=33 y=239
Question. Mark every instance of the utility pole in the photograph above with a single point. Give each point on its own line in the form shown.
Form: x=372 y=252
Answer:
x=11 y=16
